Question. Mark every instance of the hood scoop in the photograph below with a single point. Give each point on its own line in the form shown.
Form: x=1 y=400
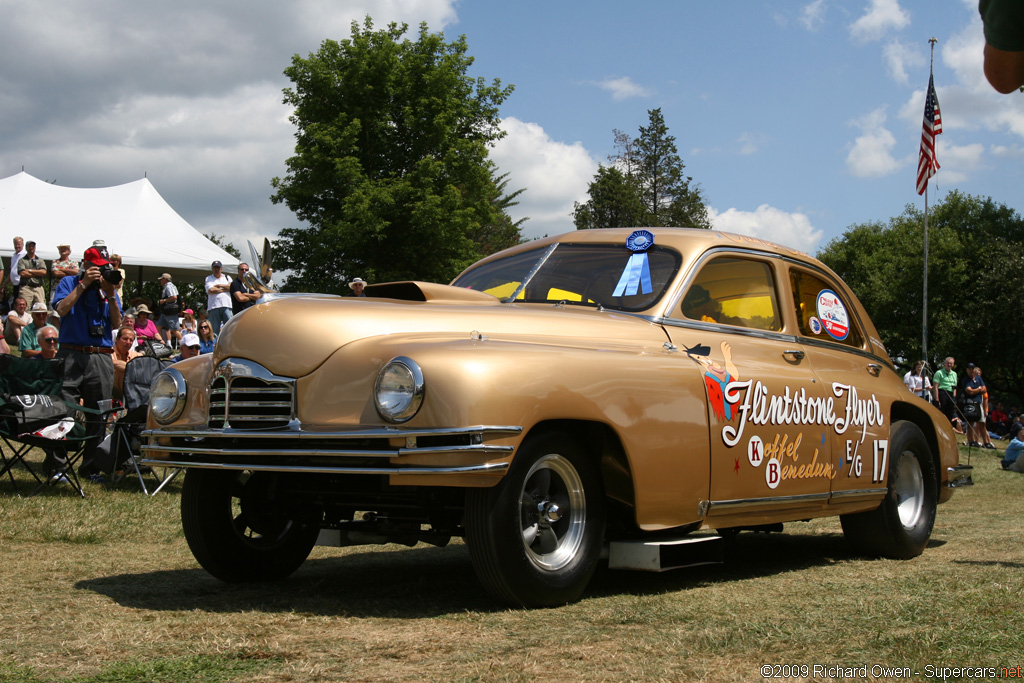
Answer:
x=427 y=291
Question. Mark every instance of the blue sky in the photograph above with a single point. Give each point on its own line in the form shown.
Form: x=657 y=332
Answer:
x=798 y=119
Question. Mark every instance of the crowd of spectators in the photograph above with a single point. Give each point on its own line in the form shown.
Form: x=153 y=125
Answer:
x=88 y=328
x=964 y=399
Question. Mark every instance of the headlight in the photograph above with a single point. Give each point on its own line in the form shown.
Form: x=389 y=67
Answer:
x=398 y=391
x=167 y=396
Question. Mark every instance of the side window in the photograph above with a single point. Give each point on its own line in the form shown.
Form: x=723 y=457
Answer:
x=821 y=312
x=734 y=291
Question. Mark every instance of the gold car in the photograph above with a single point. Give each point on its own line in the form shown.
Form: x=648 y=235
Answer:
x=604 y=392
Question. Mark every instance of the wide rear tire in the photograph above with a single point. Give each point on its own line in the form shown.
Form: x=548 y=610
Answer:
x=236 y=531
x=536 y=537
x=901 y=526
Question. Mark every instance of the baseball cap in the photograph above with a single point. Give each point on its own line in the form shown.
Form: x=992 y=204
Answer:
x=165 y=276
x=190 y=339
x=216 y=264
x=95 y=257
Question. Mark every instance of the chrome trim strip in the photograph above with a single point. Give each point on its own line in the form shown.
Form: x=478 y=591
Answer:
x=859 y=493
x=758 y=502
x=319 y=452
x=373 y=433
x=311 y=469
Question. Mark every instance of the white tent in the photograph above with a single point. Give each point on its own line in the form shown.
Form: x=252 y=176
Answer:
x=133 y=219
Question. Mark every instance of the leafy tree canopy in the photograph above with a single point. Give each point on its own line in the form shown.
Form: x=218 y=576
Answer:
x=391 y=169
x=645 y=185
x=975 y=266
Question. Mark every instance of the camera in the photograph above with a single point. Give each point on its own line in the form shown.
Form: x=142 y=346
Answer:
x=108 y=273
x=97 y=331
x=111 y=274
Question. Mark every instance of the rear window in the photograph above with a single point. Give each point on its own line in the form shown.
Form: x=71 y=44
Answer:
x=821 y=311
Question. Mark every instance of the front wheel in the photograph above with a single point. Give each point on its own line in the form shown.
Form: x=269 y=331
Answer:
x=900 y=527
x=237 y=530
x=536 y=537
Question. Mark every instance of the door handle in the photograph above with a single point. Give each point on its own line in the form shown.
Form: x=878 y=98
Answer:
x=875 y=369
x=793 y=355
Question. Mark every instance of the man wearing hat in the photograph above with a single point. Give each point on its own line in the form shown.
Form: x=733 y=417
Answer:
x=89 y=311
x=189 y=346
x=32 y=270
x=169 y=308
x=357 y=287
x=218 y=296
x=29 y=343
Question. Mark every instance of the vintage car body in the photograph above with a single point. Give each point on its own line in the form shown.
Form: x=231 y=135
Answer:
x=605 y=385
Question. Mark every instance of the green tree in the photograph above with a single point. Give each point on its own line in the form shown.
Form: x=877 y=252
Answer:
x=645 y=184
x=974 y=269
x=614 y=202
x=390 y=168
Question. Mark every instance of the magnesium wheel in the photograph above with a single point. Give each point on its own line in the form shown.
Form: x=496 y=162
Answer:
x=536 y=537
x=900 y=527
x=236 y=530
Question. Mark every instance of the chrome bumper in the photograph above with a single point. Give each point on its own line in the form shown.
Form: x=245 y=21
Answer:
x=325 y=451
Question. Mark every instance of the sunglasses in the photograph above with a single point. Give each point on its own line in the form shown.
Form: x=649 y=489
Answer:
x=204 y=327
x=193 y=348
x=51 y=340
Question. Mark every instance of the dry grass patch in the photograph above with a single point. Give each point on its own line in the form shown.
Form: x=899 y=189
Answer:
x=105 y=589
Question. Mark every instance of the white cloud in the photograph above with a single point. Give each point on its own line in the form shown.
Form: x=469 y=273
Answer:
x=881 y=17
x=623 y=88
x=750 y=142
x=870 y=155
x=898 y=57
x=189 y=94
x=769 y=223
x=957 y=162
x=554 y=174
x=812 y=16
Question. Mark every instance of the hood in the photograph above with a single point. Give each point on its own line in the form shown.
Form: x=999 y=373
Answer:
x=292 y=335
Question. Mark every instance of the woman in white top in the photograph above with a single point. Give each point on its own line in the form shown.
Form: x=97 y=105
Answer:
x=918 y=384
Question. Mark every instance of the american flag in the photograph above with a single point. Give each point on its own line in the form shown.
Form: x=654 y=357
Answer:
x=927 y=165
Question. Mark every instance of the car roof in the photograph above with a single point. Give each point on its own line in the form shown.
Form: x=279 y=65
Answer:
x=685 y=240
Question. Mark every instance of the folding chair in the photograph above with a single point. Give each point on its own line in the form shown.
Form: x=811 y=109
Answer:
x=139 y=374
x=30 y=406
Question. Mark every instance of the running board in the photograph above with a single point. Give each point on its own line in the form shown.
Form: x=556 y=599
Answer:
x=669 y=553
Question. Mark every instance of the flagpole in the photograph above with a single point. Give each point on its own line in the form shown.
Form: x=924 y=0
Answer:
x=924 y=307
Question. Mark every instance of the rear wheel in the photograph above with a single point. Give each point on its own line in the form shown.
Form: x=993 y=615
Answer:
x=536 y=537
x=237 y=530
x=902 y=525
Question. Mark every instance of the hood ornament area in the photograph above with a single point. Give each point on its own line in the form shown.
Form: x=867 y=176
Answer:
x=261 y=276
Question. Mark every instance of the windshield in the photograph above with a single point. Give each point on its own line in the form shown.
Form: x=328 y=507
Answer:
x=581 y=274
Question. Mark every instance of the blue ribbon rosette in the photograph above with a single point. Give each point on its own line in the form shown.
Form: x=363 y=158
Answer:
x=637 y=273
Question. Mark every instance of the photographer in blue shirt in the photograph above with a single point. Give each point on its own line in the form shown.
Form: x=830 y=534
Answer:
x=89 y=311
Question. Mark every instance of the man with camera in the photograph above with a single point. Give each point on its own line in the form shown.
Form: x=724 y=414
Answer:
x=90 y=311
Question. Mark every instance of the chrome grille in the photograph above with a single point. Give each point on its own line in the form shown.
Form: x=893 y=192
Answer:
x=243 y=399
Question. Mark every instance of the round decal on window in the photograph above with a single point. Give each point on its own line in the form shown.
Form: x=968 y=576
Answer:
x=833 y=315
x=815 y=325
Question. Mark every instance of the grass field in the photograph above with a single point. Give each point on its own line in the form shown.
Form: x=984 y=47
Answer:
x=105 y=590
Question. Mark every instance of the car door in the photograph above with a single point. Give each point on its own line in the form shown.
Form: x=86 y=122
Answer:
x=838 y=353
x=766 y=445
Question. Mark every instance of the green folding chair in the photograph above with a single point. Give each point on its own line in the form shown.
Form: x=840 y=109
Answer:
x=31 y=407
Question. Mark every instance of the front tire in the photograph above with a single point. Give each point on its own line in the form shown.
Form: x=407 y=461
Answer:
x=901 y=526
x=235 y=529
x=536 y=537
